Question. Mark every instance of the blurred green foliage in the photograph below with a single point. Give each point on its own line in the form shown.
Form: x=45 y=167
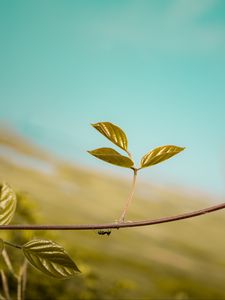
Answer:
x=155 y=282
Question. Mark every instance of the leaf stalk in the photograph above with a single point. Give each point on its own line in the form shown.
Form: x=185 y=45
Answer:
x=130 y=197
x=12 y=245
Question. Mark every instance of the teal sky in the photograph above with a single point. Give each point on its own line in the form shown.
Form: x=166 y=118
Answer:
x=155 y=68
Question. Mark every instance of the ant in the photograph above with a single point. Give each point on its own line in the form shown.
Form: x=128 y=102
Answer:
x=103 y=232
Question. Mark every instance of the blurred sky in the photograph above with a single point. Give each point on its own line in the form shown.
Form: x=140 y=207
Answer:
x=155 y=68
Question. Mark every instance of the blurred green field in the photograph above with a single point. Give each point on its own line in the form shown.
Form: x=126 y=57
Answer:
x=180 y=260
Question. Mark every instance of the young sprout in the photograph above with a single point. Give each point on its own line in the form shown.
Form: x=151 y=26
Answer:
x=118 y=137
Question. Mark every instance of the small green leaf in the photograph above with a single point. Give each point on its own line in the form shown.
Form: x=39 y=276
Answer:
x=50 y=258
x=159 y=154
x=112 y=156
x=1 y=246
x=7 y=204
x=114 y=133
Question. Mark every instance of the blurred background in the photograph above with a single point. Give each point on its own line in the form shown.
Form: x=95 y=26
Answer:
x=154 y=68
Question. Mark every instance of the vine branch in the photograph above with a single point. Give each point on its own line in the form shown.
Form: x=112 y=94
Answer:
x=117 y=225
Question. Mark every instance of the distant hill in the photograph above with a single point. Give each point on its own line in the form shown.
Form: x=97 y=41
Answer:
x=180 y=260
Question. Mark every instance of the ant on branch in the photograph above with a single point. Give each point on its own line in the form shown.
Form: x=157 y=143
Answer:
x=103 y=232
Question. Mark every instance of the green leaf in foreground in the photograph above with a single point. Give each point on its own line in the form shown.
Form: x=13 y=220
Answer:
x=112 y=132
x=50 y=258
x=7 y=204
x=159 y=154
x=113 y=157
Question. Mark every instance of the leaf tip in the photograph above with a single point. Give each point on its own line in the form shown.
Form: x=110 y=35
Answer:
x=95 y=125
x=90 y=152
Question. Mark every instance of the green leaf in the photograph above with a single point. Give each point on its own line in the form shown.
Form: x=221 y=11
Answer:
x=159 y=154
x=1 y=246
x=7 y=204
x=50 y=258
x=114 y=133
x=113 y=157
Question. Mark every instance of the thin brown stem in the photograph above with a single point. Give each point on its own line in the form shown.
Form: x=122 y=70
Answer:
x=24 y=278
x=8 y=262
x=21 y=281
x=19 y=287
x=5 y=285
x=116 y=225
x=12 y=245
x=129 y=199
x=20 y=277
